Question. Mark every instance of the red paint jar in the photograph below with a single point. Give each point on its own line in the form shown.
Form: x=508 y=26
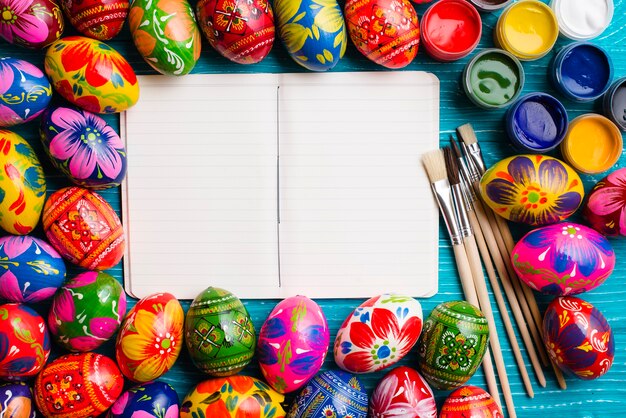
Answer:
x=451 y=29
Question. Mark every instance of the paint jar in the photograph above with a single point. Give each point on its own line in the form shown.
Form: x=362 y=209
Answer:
x=493 y=79
x=593 y=144
x=582 y=20
x=536 y=123
x=527 y=29
x=490 y=5
x=450 y=29
x=614 y=103
x=582 y=71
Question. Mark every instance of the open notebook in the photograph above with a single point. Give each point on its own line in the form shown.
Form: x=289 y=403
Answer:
x=271 y=185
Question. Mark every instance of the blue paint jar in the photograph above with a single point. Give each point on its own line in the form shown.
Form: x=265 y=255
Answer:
x=614 y=103
x=582 y=71
x=536 y=123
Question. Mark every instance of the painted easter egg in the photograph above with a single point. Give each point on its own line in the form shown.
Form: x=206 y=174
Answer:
x=24 y=342
x=333 y=393
x=385 y=31
x=152 y=399
x=578 y=338
x=78 y=385
x=532 y=189
x=470 y=401
x=378 y=333
x=99 y=19
x=605 y=209
x=166 y=34
x=563 y=259
x=244 y=33
x=87 y=311
x=150 y=338
x=91 y=75
x=452 y=345
x=32 y=24
x=25 y=91
x=293 y=343
x=219 y=333
x=313 y=31
x=16 y=401
x=232 y=396
x=84 y=228
x=403 y=393
x=83 y=147
x=22 y=185
x=33 y=270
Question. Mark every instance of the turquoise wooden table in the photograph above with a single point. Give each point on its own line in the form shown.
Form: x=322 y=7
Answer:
x=600 y=398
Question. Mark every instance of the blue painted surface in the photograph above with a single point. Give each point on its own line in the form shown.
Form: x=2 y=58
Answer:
x=602 y=398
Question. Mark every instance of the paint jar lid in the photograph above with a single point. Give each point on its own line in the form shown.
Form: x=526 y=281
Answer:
x=582 y=20
x=536 y=123
x=614 y=103
x=490 y=5
x=493 y=78
x=582 y=71
x=450 y=29
x=593 y=144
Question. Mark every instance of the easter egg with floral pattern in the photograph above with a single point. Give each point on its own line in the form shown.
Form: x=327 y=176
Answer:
x=25 y=91
x=32 y=24
x=532 y=189
x=452 y=345
x=563 y=259
x=385 y=31
x=578 y=338
x=379 y=333
x=33 y=270
x=78 y=385
x=219 y=333
x=605 y=209
x=84 y=228
x=92 y=75
x=470 y=401
x=332 y=393
x=242 y=31
x=22 y=185
x=232 y=396
x=152 y=399
x=99 y=19
x=293 y=343
x=16 y=401
x=83 y=147
x=86 y=311
x=313 y=32
x=166 y=34
x=150 y=338
x=403 y=393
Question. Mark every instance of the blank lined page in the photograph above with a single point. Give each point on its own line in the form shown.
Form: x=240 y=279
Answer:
x=200 y=198
x=357 y=217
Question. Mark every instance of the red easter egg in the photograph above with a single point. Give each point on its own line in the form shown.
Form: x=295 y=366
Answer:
x=24 y=342
x=84 y=228
x=98 y=19
x=241 y=31
x=29 y=23
x=403 y=392
x=78 y=385
x=470 y=401
x=385 y=31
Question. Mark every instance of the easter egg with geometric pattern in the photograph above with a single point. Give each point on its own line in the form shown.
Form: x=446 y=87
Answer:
x=148 y=400
x=150 y=338
x=293 y=343
x=219 y=333
x=403 y=393
x=470 y=401
x=379 y=333
x=32 y=24
x=33 y=270
x=99 y=19
x=16 y=401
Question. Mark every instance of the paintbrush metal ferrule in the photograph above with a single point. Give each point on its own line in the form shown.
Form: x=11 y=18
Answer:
x=468 y=191
x=443 y=195
x=473 y=170
x=460 y=211
x=477 y=157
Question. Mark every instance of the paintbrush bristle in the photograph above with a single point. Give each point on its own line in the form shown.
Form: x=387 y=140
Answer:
x=455 y=147
x=452 y=168
x=467 y=134
x=435 y=165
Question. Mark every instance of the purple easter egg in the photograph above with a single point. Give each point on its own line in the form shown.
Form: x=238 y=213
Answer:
x=152 y=399
x=16 y=401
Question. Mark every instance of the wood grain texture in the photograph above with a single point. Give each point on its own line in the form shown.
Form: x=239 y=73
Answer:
x=601 y=398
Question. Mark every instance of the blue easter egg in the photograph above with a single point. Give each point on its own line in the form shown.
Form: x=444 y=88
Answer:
x=16 y=401
x=333 y=393
x=313 y=31
x=24 y=91
x=156 y=399
x=33 y=270
x=83 y=147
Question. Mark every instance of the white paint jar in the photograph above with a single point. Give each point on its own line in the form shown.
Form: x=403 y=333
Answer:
x=582 y=19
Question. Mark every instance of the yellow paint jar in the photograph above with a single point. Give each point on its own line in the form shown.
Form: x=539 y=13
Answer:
x=593 y=144
x=527 y=29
